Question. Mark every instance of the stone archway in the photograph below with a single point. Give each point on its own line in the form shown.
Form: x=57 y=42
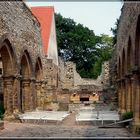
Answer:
x=26 y=97
x=8 y=69
x=38 y=77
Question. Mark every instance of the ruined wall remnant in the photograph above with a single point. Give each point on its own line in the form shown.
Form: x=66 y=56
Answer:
x=72 y=80
x=128 y=66
x=29 y=79
x=79 y=89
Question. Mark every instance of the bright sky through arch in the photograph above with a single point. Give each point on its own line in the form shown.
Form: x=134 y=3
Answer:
x=97 y=16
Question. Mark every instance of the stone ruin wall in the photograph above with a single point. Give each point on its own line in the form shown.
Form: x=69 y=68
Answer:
x=72 y=80
x=22 y=29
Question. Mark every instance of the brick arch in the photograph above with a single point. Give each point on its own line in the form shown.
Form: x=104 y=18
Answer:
x=137 y=42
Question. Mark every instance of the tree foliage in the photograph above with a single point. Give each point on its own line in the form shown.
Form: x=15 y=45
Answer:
x=115 y=30
x=79 y=44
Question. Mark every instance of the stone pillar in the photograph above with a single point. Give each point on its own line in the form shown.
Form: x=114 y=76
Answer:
x=8 y=94
x=119 y=97
x=43 y=96
x=136 y=94
x=38 y=91
x=123 y=97
x=26 y=95
x=133 y=82
x=129 y=95
x=17 y=94
x=33 y=104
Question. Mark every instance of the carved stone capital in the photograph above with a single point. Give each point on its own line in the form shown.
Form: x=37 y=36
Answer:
x=18 y=76
x=26 y=80
x=33 y=79
x=8 y=79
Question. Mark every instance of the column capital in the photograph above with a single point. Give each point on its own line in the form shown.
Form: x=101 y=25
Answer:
x=39 y=81
x=8 y=77
x=33 y=79
x=18 y=76
x=27 y=80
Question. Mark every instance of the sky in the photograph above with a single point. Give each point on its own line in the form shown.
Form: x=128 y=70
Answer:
x=97 y=16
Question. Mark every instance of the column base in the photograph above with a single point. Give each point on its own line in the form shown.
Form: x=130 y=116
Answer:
x=135 y=128
x=129 y=110
x=12 y=117
x=122 y=111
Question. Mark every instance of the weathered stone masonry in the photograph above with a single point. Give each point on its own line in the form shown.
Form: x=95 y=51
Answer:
x=30 y=80
x=128 y=61
x=24 y=63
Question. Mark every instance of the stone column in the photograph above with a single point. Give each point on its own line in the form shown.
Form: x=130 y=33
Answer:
x=119 y=96
x=43 y=95
x=136 y=111
x=129 y=93
x=8 y=94
x=26 y=95
x=123 y=97
x=33 y=104
x=38 y=91
x=17 y=94
x=133 y=91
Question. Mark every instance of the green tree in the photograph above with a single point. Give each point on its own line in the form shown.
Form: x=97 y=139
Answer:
x=79 y=44
x=115 y=30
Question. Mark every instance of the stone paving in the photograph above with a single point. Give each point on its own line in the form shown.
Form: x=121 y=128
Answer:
x=33 y=130
x=67 y=129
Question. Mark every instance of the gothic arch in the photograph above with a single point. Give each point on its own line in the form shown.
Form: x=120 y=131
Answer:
x=26 y=66
x=8 y=70
x=26 y=91
x=38 y=76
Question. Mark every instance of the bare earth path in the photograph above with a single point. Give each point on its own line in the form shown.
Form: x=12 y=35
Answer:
x=67 y=129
